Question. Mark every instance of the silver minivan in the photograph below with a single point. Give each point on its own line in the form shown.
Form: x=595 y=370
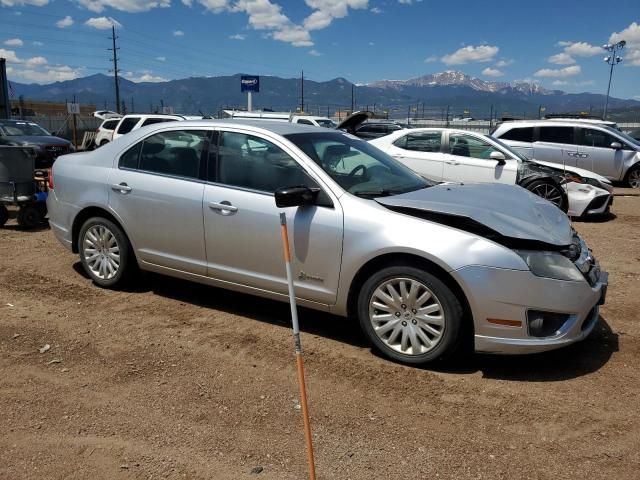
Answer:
x=598 y=148
x=423 y=267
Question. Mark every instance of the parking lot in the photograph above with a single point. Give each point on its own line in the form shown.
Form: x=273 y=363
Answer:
x=176 y=380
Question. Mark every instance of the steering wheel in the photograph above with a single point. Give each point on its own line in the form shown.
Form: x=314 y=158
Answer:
x=358 y=168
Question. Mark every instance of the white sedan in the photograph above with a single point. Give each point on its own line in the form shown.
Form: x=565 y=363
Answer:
x=450 y=155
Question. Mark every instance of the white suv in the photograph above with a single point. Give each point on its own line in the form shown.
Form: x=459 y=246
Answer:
x=574 y=143
x=104 y=133
x=138 y=120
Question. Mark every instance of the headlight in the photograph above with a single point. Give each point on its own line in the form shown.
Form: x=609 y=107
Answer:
x=550 y=265
x=597 y=183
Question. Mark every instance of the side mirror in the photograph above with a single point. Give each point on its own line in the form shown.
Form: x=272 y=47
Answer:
x=499 y=157
x=616 y=145
x=296 y=196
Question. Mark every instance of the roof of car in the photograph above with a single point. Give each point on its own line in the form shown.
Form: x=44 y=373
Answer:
x=277 y=127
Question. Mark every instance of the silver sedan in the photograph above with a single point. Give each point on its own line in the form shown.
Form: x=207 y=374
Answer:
x=422 y=267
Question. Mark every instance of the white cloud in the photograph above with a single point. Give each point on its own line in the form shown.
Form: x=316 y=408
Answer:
x=561 y=59
x=560 y=72
x=37 y=44
x=558 y=83
x=325 y=11
x=144 y=77
x=504 y=63
x=315 y=53
x=431 y=59
x=295 y=35
x=631 y=35
x=188 y=3
x=161 y=59
x=376 y=10
x=10 y=55
x=49 y=74
x=178 y=33
x=35 y=61
x=14 y=42
x=237 y=36
x=405 y=2
x=65 y=22
x=12 y=58
x=492 y=72
x=23 y=3
x=481 y=53
x=581 y=49
x=131 y=6
x=103 y=23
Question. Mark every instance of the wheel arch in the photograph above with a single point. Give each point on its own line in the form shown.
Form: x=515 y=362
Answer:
x=392 y=259
x=86 y=214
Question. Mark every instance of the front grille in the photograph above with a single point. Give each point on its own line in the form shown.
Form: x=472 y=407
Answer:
x=56 y=150
x=598 y=202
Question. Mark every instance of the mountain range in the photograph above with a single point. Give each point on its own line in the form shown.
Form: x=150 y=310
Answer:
x=431 y=94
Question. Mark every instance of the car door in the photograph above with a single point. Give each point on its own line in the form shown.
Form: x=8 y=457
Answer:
x=156 y=191
x=242 y=226
x=597 y=155
x=468 y=160
x=556 y=144
x=421 y=152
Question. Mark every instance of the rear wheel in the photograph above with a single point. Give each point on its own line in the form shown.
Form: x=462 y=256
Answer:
x=105 y=252
x=633 y=177
x=550 y=191
x=4 y=215
x=410 y=315
x=29 y=217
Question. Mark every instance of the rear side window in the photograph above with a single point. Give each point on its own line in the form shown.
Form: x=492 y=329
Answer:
x=556 y=134
x=130 y=157
x=109 y=124
x=420 y=142
x=127 y=124
x=522 y=134
x=151 y=121
x=305 y=122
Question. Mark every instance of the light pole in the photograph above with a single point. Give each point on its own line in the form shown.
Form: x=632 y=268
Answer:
x=612 y=59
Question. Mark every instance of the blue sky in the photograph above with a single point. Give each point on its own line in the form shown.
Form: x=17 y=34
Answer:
x=555 y=43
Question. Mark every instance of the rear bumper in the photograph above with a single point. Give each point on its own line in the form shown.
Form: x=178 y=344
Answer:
x=59 y=220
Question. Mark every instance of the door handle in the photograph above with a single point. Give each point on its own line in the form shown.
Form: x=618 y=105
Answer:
x=224 y=207
x=121 y=187
x=452 y=162
x=584 y=155
x=398 y=156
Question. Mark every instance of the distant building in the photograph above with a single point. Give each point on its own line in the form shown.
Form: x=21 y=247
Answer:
x=38 y=108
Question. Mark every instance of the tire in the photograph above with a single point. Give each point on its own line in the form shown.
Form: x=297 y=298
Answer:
x=550 y=191
x=29 y=217
x=406 y=335
x=105 y=252
x=4 y=215
x=104 y=142
x=632 y=179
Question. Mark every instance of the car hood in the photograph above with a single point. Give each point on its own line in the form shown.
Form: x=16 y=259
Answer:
x=505 y=213
x=353 y=121
x=38 y=140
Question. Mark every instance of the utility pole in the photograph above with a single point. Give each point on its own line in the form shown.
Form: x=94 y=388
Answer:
x=132 y=109
x=613 y=59
x=491 y=119
x=302 y=92
x=115 y=66
x=353 y=98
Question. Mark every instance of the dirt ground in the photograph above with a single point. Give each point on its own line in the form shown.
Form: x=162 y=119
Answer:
x=176 y=380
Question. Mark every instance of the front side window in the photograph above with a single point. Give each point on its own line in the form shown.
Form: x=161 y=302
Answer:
x=596 y=138
x=556 y=134
x=420 y=142
x=127 y=124
x=470 y=146
x=176 y=153
x=357 y=166
x=255 y=163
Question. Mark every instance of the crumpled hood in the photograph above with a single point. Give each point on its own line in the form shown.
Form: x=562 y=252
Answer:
x=509 y=210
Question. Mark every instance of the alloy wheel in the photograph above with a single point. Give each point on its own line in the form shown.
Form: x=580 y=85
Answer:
x=101 y=252
x=548 y=192
x=634 y=178
x=407 y=316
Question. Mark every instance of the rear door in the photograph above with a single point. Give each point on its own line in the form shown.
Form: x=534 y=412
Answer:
x=242 y=225
x=556 y=144
x=421 y=152
x=156 y=191
x=468 y=160
x=597 y=155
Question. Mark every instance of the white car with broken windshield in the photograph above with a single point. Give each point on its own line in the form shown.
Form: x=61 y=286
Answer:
x=423 y=268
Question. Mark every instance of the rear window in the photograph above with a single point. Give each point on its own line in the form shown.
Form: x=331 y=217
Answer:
x=127 y=125
x=110 y=124
x=521 y=134
x=556 y=134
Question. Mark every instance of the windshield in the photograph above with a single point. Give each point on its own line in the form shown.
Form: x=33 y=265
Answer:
x=16 y=129
x=357 y=166
x=326 y=123
x=625 y=136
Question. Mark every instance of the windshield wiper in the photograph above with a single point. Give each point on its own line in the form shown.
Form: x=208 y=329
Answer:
x=376 y=193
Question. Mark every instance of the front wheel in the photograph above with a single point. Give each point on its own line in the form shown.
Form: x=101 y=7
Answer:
x=550 y=191
x=410 y=315
x=633 y=177
x=4 y=215
x=105 y=252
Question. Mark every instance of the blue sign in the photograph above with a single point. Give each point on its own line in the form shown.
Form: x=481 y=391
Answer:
x=249 y=83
